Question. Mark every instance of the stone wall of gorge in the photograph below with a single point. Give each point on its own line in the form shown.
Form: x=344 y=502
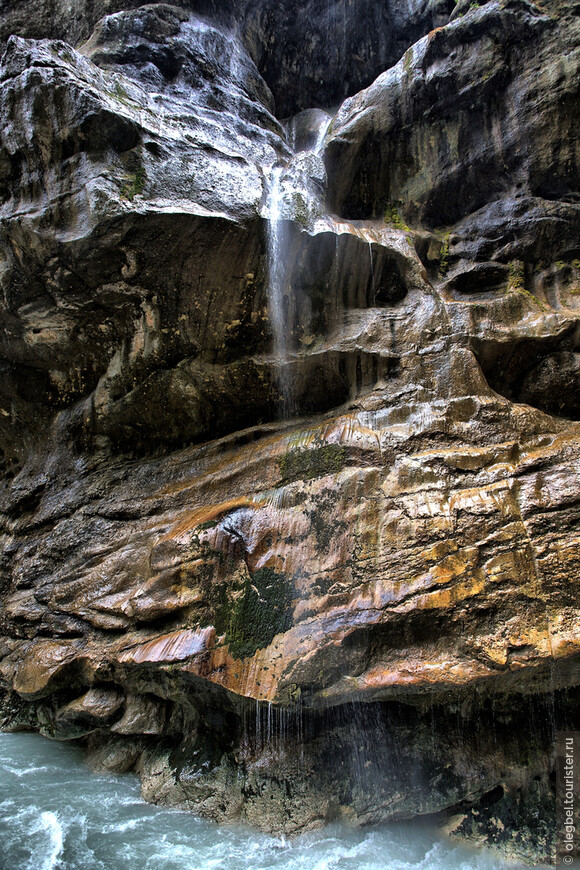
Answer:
x=366 y=607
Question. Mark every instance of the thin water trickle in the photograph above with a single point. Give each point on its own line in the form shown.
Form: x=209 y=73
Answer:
x=373 y=291
x=258 y=724
x=321 y=132
x=269 y=722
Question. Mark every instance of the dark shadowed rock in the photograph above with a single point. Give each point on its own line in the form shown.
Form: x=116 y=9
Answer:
x=432 y=137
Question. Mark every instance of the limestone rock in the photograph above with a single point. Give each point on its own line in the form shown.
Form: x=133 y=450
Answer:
x=95 y=708
x=143 y=715
x=354 y=609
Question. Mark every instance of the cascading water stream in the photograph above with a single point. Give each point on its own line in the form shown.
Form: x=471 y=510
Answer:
x=324 y=124
x=277 y=291
x=288 y=186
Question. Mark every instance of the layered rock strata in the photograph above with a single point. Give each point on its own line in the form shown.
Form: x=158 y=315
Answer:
x=369 y=609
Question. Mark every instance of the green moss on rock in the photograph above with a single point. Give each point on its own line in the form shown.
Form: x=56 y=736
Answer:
x=208 y=524
x=134 y=185
x=516 y=276
x=262 y=610
x=393 y=218
x=444 y=256
x=308 y=464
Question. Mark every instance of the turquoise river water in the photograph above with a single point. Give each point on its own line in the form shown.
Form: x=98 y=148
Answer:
x=57 y=815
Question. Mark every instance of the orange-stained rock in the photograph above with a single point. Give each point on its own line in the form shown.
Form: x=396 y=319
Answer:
x=361 y=573
x=42 y=666
x=174 y=647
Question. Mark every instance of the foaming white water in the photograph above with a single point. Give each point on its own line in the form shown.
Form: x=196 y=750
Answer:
x=65 y=818
x=25 y=771
x=50 y=824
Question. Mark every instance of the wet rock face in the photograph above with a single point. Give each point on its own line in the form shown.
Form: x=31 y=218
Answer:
x=311 y=53
x=315 y=53
x=237 y=561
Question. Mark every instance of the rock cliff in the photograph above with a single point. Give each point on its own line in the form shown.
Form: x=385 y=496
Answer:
x=337 y=578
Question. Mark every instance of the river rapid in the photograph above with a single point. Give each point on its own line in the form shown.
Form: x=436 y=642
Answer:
x=57 y=815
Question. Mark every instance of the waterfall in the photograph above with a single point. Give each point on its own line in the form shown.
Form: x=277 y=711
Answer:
x=278 y=238
x=293 y=194
x=323 y=125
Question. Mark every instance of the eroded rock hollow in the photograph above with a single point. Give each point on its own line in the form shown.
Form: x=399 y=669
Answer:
x=290 y=357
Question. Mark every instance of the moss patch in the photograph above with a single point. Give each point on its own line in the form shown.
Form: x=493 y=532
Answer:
x=300 y=209
x=262 y=610
x=134 y=184
x=208 y=524
x=517 y=283
x=444 y=256
x=393 y=218
x=308 y=464
x=534 y=299
x=516 y=276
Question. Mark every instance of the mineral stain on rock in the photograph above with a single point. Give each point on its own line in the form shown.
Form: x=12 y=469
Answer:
x=365 y=610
